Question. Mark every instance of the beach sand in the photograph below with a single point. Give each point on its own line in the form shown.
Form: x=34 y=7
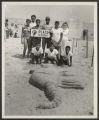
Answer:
x=21 y=98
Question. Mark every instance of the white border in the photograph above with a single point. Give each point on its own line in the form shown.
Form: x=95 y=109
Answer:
x=4 y=4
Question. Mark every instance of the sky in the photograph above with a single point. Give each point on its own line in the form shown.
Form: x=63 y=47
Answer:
x=59 y=12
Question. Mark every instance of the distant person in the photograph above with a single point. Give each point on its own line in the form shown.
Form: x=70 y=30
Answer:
x=47 y=26
x=85 y=34
x=36 y=54
x=7 y=31
x=51 y=55
x=12 y=30
x=26 y=37
x=65 y=40
x=6 y=23
x=66 y=58
x=56 y=36
x=16 y=31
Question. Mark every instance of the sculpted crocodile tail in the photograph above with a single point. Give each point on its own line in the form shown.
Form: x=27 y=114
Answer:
x=50 y=91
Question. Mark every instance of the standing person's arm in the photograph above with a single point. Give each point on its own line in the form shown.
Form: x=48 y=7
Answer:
x=46 y=56
x=70 y=61
x=61 y=37
x=22 y=35
x=51 y=34
x=57 y=55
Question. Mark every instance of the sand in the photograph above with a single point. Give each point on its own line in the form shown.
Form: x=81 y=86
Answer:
x=21 y=98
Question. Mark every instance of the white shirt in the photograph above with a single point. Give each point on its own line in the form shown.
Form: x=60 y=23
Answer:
x=47 y=27
x=67 y=56
x=56 y=34
x=51 y=54
x=65 y=34
x=32 y=24
x=40 y=51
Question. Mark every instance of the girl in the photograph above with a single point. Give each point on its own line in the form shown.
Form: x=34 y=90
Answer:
x=65 y=41
x=26 y=36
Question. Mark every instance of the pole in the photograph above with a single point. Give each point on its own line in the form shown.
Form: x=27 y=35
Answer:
x=92 y=57
x=72 y=45
x=86 y=43
x=76 y=41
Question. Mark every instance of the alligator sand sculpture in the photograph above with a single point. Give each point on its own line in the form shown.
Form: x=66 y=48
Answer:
x=47 y=79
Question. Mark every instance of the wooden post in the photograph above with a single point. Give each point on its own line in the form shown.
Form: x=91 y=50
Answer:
x=72 y=45
x=76 y=41
x=86 y=43
x=92 y=57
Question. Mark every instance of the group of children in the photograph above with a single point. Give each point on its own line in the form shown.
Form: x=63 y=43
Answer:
x=55 y=49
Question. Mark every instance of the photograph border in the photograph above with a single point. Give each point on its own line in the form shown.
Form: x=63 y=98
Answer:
x=1 y=60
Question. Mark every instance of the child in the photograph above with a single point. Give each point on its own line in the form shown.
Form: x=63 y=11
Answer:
x=47 y=26
x=67 y=56
x=56 y=36
x=36 y=54
x=51 y=54
x=26 y=37
x=36 y=40
x=33 y=23
x=65 y=42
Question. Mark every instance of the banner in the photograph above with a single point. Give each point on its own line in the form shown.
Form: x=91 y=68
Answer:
x=40 y=33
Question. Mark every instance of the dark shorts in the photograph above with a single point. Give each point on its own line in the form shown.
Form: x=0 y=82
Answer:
x=34 y=41
x=46 y=41
x=62 y=61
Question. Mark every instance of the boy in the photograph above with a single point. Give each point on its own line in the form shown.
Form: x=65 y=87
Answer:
x=36 y=54
x=51 y=55
x=36 y=40
x=33 y=19
x=32 y=24
x=26 y=37
x=56 y=36
x=47 y=26
x=67 y=56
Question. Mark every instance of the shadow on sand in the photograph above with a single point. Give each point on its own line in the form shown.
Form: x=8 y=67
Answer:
x=20 y=56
